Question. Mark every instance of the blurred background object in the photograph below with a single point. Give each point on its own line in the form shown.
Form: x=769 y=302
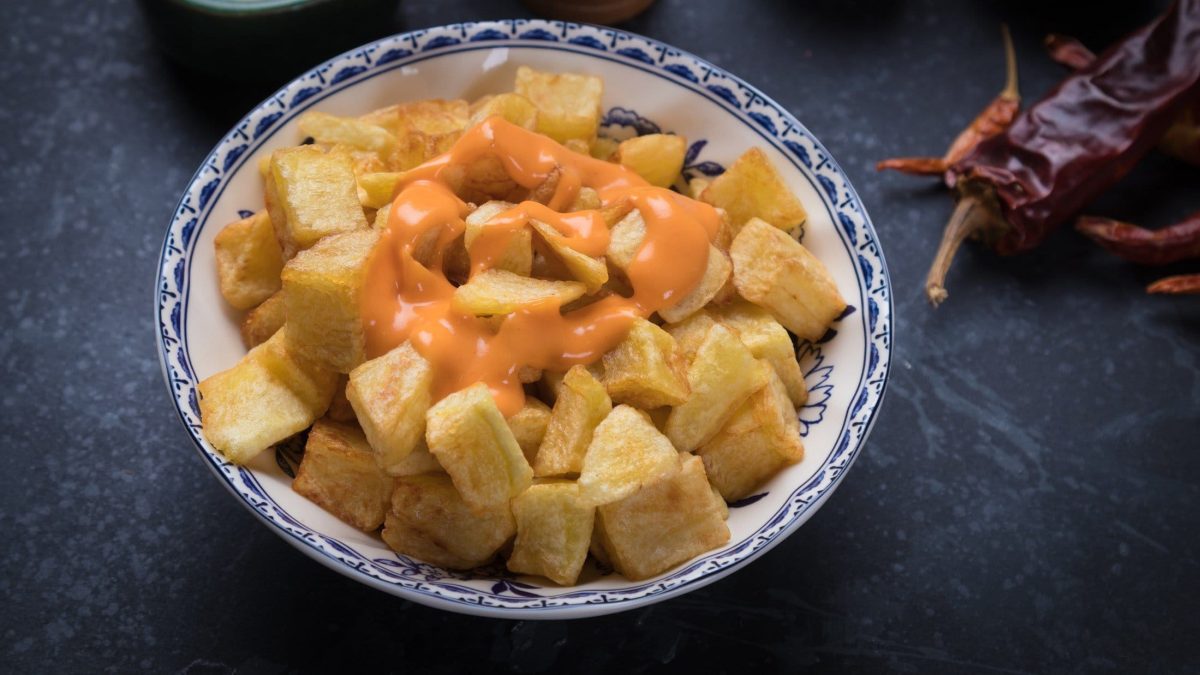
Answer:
x=280 y=37
x=589 y=11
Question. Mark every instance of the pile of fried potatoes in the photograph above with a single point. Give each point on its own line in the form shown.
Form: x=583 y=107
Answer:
x=630 y=460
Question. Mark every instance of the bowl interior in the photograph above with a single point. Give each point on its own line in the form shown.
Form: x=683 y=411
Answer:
x=845 y=375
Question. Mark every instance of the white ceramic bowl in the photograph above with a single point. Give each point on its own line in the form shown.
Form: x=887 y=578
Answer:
x=648 y=86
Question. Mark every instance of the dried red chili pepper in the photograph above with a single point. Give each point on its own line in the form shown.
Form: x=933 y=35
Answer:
x=1147 y=247
x=994 y=119
x=1182 y=138
x=1086 y=134
x=1181 y=284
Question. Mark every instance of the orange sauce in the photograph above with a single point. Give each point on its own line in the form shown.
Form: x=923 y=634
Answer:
x=407 y=300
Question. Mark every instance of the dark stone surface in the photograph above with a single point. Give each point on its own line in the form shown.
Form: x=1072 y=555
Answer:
x=1028 y=501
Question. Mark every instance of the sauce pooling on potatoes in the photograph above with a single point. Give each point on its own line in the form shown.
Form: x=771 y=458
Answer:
x=407 y=300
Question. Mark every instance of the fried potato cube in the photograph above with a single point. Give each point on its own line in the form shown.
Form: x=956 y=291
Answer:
x=603 y=148
x=625 y=241
x=390 y=396
x=529 y=426
x=315 y=195
x=430 y=521
x=339 y=474
x=627 y=452
x=722 y=376
x=697 y=186
x=646 y=369
x=554 y=530
x=323 y=294
x=340 y=409
x=581 y=405
x=766 y=339
x=592 y=272
x=497 y=291
x=662 y=524
x=752 y=187
x=417 y=462
x=471 y=440
x=334 y=130
x=516 y=254
x=776 y=272
x=376 y=189
x=658 y=158
x=263 y=321
x=689 y=334
x=568 y=103
x=512 y=107
x=269 y=395
x=761 y=438
x=249 y=261
x=716 y=273
x=381 y=217
x=422 y=129
x=587 y=199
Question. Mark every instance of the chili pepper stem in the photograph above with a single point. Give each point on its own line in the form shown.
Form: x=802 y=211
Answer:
x=1012 y=90
x=968 y=218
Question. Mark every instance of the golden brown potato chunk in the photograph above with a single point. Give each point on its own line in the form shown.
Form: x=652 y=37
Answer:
x=761 y=438
x=658 y=158
x=512 y=107
x=419 y=461
x=776 y=272
x=753 y=187
x=497 y=291
x=582 y=404
x=269 y=395
x=592 y=272
x=263 y=321
x=625 y=240
x=517 y=254
x=646 y=369
x=568 y=104
x=627 y=452
x=355 y=133
x=339 y=474
x=662 y=524
x=529 y=426
x=311 y=194
x=377 y=189
x=554 y=530
x=716 y=274
x=429 y=521
x=767 y=340
x=340 y=409
x=422 y=129
x=322 y=289
x=471 y=440
x=689 y=334
x=390 y=395
x=722 y=375
x=248 y=261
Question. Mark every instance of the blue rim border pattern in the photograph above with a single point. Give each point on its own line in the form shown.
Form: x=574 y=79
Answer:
x=770 y=121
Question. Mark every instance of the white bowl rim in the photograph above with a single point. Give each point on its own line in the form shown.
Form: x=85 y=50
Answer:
x=854 y=229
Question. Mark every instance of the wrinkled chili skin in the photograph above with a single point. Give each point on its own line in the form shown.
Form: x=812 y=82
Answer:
x=1089 y=131
x=1068 y=51
x=1180 y=241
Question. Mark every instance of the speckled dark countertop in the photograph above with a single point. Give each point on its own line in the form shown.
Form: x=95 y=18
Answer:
x=1028 y=501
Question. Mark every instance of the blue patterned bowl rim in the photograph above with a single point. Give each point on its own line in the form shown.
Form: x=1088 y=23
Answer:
x=433 y=586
